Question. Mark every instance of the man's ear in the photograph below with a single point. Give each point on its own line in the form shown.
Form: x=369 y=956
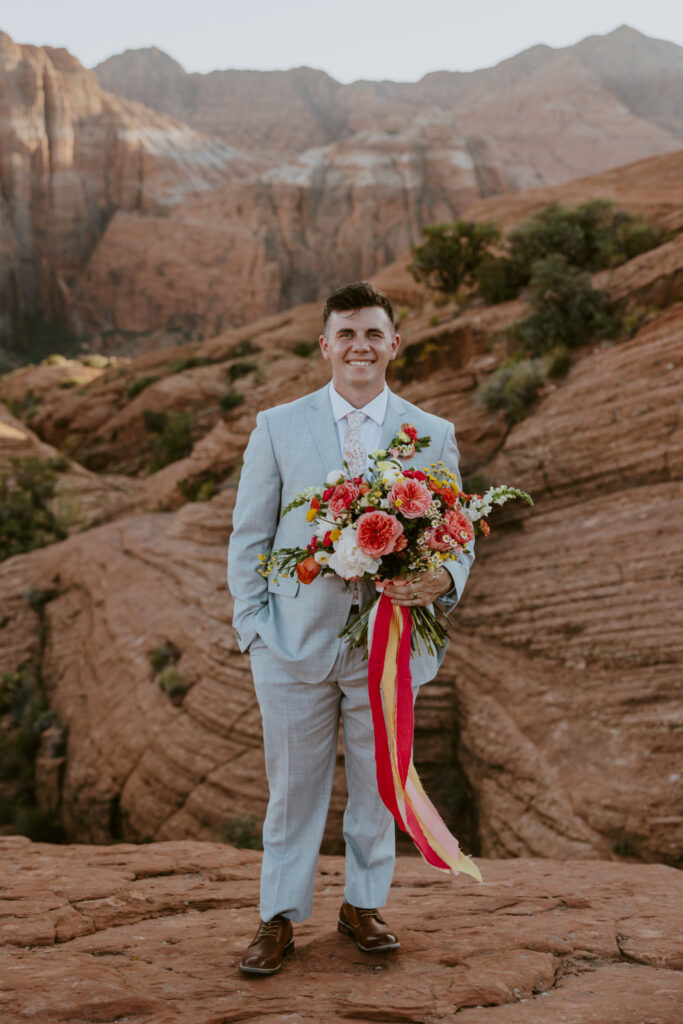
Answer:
x=395 y=345
x=322 y=341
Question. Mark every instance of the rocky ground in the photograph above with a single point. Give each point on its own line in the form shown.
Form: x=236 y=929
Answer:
x=152 y=934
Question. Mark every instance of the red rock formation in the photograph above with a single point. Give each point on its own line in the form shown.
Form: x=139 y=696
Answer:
x=155 y=932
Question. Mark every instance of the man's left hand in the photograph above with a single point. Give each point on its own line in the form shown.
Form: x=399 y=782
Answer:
x=423 y=590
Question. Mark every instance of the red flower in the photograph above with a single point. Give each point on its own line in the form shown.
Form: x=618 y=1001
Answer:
x=415 y=474
x=327 y=539
x=307 y=570
x=458 y=525
x=327 y=493
x=315 y=503
x=343 y=495
x=410 y=430
x=377 y=533
x=439 y=539
x=485 y=528
x=400 y=544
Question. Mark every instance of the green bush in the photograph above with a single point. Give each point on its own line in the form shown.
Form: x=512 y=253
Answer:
x=230 y=400
x=452 y=253
x=166 y=654
x=499 y=279
x=244 y=833
x=305 y=348
x=139 y=385
x=72 y=382
x=557 y=361
x=567 y=309
x=171 y=436
x=24 y=408
x=172 y=683
x=513 y=388
x=26 y=521
x=238 y=370
x=96 y=361
x=198 y=488
x=245 y=347
x=189 y=363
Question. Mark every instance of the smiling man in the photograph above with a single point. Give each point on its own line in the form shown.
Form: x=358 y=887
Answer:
x=306 y=678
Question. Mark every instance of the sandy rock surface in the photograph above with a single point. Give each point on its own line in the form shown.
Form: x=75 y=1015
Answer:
x=153 y=933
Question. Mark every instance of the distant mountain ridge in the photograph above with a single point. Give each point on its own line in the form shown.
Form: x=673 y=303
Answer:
x=643 y=75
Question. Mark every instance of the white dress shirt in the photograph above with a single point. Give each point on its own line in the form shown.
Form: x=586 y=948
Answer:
x=371 y=430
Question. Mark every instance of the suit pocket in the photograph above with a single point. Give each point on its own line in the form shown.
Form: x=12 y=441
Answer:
x=283 y=586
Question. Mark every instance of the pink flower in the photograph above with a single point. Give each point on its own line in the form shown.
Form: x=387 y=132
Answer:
x=410 y=497
x=344 y=494
x=377 y=533
x=439 y=539
x=403 y=451
x=458 y=525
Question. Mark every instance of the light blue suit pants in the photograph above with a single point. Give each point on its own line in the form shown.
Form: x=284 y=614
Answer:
x=300 y=727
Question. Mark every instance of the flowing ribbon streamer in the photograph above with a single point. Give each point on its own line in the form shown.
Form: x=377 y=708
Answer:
x=399 y=786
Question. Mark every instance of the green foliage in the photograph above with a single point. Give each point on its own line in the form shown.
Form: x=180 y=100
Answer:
x=230 y=400
x=172 y=683
x=513 y=387
x=557 y=361
x=26 y=714
x=24 y=408
x=238 y=370
x=452 y=253
x=171 y=436
x=55 y=359
x=592 y=236
x=244 y=833
x=96 y=360
x=71 y=382
x=305 y=348
x=166 y=654
x=566 y=308
x=26 y=521
x=139 y=385
x=245 y=347
x=189 y=363
x=199 y=488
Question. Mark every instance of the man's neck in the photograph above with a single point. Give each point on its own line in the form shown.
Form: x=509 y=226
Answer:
x=358 y=397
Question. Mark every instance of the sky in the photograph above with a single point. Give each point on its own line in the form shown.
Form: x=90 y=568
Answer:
x=351 y=39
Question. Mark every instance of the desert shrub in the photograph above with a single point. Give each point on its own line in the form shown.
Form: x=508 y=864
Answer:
x=96 y=361
x=163 y=655
x=513 y=387
x=238 y=370
x=199 y=488
x=451 y=253
x=172 y=683
x=24 y=408
x=189 y=363
x=244 y=833
x=139 y=385
x=557 y=361
x=171 y=436
x=55 y=359
x=72 y=382
x=26 y=520
x=245 y=347
x=566 y=308
x=499 y=279
x=230 y=400
x=305 y=348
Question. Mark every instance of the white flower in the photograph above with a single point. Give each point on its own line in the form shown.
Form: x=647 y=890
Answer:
x=322 y=557
x=402 y=436
x=310 y=492
x=379 y=453
x=334 y=477
x=322 y=526
x=388 y=464
x=390 y=477
x=348 y=560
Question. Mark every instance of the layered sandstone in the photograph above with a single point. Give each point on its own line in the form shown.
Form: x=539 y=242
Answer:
x=154 y=932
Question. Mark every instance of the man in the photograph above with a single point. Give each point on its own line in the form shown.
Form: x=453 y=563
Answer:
x=305 y=677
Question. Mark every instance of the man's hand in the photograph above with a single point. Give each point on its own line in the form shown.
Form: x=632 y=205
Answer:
x=423 y=590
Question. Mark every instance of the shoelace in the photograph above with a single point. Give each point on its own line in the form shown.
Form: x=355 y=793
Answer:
x=363 y=912
x=266 y=928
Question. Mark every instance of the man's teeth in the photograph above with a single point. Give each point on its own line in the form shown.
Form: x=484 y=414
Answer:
x=360 y=362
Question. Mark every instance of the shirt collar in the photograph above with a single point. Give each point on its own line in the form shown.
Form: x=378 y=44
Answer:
x=375 y=409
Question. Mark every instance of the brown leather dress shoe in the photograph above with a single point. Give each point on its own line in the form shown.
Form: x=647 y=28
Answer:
x=273 y=940
x=371 y=933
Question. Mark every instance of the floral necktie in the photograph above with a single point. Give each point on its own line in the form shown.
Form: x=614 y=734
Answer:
x=354 y=450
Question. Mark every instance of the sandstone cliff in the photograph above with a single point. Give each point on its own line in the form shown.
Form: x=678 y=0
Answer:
x=551 y=730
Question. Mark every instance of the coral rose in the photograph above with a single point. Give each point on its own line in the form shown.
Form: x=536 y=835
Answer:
x=343 y=495
x=377 y=533
x=307 y=570
x=410 y=497
x=458 y=525
x=410 y=430
x=439 y=539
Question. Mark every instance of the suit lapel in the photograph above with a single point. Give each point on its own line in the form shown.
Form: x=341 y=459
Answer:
x=323 y=430
x=395 y=417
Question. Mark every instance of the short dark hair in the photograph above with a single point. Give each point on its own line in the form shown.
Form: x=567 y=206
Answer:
x=359 y=295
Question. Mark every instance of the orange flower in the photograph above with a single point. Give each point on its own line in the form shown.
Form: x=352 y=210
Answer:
x=307 y=570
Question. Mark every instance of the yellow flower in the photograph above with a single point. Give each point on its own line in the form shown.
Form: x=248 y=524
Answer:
x=335 y=534
x=311 y=514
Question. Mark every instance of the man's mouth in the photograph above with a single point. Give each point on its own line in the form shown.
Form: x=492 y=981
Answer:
x=360 y=362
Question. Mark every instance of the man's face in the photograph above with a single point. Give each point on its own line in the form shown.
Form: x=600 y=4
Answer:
x=360 y=345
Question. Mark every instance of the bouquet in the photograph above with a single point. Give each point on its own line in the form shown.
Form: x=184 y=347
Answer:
x=391 y=524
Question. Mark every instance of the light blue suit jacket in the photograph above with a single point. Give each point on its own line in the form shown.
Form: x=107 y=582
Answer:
x=292 y=447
